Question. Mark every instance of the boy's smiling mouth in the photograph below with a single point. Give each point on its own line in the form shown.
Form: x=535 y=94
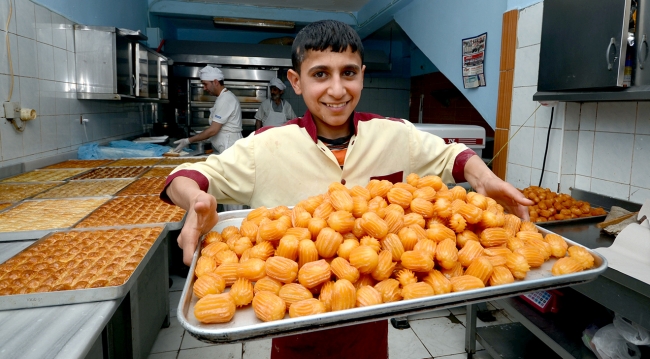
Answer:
x=336 y=105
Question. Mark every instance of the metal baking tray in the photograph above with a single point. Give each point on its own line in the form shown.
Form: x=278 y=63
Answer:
x=46 y=299
x=36 y=234
x=16 y=178
x=99 y=183
x=245 y=326
x=33 y=184
x=574 y=220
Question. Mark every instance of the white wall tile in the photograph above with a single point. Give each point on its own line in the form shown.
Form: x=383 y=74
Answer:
x=612 y=189
x=60 y=65
x=5 y=83
x=566 y=183
x=583 y=182
x=612 y=160
x=585 y=153
x=12 y=141
x=29 y=93
x=69 y=36
x=63 y=132
x=641 y=162
x=43 y=24
x=639 y=195
x=48 y=133
x=643 y=119
x=47 y=97
x=45 y=61
x=588 y=116
x=616 y=116
x=518 y=176
x=523 y=106
x=59 y=25
x=62 y=100
x=529 y=26
x=543 y=116
x=550 y=179
x=520 y=147
x=569 y=152
x=4 y=13
x=27 y=57
x=77 y=135
x=554 y=149
x=25 y=18
x=32 y=137
x=4 y=64
x=526 y=66
x=71 y=68
x=572 y=116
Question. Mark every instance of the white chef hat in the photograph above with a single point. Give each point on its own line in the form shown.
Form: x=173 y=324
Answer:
x=210 y=73
x=278 y=83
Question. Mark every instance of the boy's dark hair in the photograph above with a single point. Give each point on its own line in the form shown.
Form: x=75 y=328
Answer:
x=322 y=35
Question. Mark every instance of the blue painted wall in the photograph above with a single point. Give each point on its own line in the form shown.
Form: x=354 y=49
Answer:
x=420 y=63
x=130 y=14
x=437 y=28
x=520 y=4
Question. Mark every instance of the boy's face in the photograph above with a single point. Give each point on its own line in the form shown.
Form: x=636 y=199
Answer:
x=330 y=84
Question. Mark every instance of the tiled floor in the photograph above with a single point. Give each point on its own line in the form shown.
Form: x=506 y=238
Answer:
x=439 y=334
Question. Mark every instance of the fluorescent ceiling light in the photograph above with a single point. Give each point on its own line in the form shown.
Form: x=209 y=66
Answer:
x=278 y=24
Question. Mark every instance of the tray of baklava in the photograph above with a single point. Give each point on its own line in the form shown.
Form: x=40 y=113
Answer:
x=175 y=161
x=32 y=219
x=112 y=172
x=77 y=266
x=87 y=188
x=45 y=175
x=79 y=164
x=159 y=171
x=16 y=192
x=129 y=210
x=144 y=186
x=135 y=162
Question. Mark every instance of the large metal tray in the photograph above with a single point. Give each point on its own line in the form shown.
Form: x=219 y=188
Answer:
x=245 y=326
x=47 y=299
x=36 y=234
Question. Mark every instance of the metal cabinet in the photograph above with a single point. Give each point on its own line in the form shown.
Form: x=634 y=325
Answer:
x=583 y=45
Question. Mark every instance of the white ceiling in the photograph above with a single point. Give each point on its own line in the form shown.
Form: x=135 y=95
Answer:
x=322 y=5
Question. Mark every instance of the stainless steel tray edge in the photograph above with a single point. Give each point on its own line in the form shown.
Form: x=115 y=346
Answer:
x=245 y=326
x=47 y=299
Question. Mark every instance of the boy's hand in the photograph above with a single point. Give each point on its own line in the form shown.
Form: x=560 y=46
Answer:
x=506 y=195
x=201 y=218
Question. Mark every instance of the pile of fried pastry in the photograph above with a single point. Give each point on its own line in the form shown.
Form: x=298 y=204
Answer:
x=369 y=245
x=551 y=206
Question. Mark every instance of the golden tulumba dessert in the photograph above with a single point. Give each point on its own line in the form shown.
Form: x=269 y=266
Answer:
x=145 y=185
x=45 y=175
x=112 y=172
x=368 y=245
x=77 y=260
x=79 y=164
x=551 y=206
x=158 y=171
x=129 y=210
x=47 y=214
x=89 y=188
x=134 y=162
x=15 y=192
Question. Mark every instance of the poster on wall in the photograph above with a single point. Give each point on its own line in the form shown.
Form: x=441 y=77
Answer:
x=473 y=61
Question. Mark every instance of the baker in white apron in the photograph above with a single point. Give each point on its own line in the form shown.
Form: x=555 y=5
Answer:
x=274 y=111
x=225 y=118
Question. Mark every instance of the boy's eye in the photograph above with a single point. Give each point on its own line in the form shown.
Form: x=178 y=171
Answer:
x=349 y=73
x=319 y=74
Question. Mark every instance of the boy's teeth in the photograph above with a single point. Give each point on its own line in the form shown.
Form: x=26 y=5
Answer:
x=336 y=105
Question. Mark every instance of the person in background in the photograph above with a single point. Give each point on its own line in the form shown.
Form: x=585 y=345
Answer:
x=330 y=143
x=225 y=118
x=274 y=111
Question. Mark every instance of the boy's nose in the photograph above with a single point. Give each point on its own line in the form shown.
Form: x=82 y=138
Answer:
x=336 y=88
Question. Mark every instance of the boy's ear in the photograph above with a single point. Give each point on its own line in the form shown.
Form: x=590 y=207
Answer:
x=294 y=79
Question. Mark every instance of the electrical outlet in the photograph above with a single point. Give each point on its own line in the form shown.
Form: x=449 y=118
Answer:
x=12 y=110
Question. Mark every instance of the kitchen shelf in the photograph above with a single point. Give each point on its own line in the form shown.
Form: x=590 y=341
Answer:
x=512 y=341
x=117 y=97
x=560 y=332
x=634 y=93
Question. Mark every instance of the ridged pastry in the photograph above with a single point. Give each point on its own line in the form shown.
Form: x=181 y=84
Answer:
x=306 y=307
x=252 y=269
x=242 y=292
x=364 y=258
x=447 y=253
x=267 y=284
x=566 y=265
x=437 y=281
x=288 y=247
x=471 y=250
x=465 y=282
x=315 y=273
x=283 y=269
x=408 y=237
x=307 y=252
x=501 y=275
x=342 y=269
x=480 y=268
x=341 y=221
x=438 y=232
x=346 y=247
x=385 y=266
x=417 y=261
x=389 y=289
x=406 y=277
x=210 y=283
x=344 y=295
x=268 y=306
x=395 y=221
x=367 y=296
x=215 y=308
x=379 y=188
x=417 y=290
x=582 y=255
x=328 y=242
x=558 y=245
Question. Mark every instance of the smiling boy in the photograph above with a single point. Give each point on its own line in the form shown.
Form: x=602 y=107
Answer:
x=331 y=142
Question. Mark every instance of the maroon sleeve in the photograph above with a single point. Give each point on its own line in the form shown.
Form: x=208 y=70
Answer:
x=197 y=176
x=459 y=165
